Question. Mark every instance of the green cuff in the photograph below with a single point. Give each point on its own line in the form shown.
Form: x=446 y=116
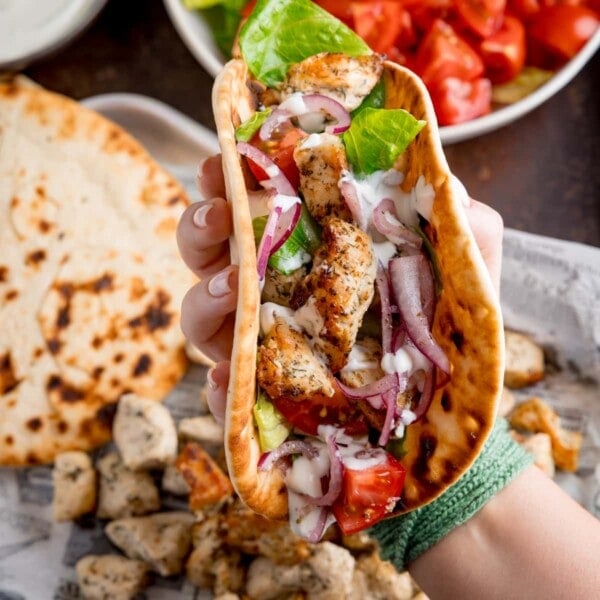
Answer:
x=402 y=539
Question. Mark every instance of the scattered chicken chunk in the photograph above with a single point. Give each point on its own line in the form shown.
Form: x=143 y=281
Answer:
x=207 y=541
x=320 y=166
x=287 y=365
x=279 y=287
x=144 y=433
x=540 y=445
x=209 y=485
x=174 y=482
x=203 y=429
x=252 y=534
x=74 y=481
x=536 y=416
x=349 y=80
x=375 y=579
x=110 y=577
x=524 y=360
x=161 y=540
x=326 y=575
x=123 y=492
x=333 y=298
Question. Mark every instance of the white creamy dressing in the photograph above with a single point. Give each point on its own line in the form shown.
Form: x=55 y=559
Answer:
x=312 y=141
x=359 y=359
x=284 y=202
x=294 y=104
x=406 y=418
x=305 y=474
x=407 y=359
x=418 y=200
x=384 y=251
x=270 y=311
x=309 y=318
x=304 y=518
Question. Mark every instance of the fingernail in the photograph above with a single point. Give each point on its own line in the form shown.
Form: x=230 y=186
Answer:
x=219 y=286
x=200 y=215
x=212 y=384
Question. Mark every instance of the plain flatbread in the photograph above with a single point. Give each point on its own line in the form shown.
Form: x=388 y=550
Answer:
x=468 y=322
x=91 y=280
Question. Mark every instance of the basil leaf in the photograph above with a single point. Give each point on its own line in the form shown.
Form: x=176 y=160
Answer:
x=280 y=33
x=377 y=136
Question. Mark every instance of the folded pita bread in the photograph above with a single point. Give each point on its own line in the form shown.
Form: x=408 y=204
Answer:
x=467 y=324
x=90 y=276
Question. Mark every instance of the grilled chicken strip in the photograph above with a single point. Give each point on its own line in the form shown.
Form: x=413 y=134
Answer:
x=321 y=158
x=344 y=78
x=336 y=294
x=287 y=366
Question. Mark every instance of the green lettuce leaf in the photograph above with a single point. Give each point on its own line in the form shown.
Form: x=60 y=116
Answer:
x=280 y=33
x=376 y=137
x=273 y=429
x=245 y=132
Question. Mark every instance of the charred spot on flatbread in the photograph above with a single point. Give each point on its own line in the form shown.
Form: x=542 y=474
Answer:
x=8 y=378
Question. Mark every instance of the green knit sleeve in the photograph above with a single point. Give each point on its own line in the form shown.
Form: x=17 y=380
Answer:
x=402 y=539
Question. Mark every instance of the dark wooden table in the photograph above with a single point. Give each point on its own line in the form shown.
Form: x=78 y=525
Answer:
x=542 y=172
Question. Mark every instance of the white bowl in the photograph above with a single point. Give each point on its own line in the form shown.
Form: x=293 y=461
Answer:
x=197 y=36
x=30 y=29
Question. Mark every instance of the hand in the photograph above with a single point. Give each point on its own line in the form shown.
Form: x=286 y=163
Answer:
x=208 y=308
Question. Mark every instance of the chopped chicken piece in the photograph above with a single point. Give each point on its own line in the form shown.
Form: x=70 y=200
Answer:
x=207 y=542
x=74 y=481
x=347 y=79
x=364 y=364
x=203 y=429
x=110 y=577
x=279 y=287
x=335 y=295
x=228 y=572
x=253 y=534
x=161 y=540
x=174 y=482
x=381 y=581
x=538 y=417
x=540 y=445
x=123 y=492
x=208 y=484
x=287 y=366
x=320 y=166
x=144 y=433
x=326 y=575
x=524 y=360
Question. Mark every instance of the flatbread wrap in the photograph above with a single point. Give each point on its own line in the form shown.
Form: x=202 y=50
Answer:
x=368 y=349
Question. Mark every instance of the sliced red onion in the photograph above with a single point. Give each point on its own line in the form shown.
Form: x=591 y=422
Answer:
x=376 y=388
x=405 y=277
x=350 y=195
x=268 y=459
x=383 y=287
x=427 y=285
x=385 y=220
x=276 y=178
x=336 y=472
x=389 y=399
x=426 y=396
x=315 y=534
x=297 y=105
x=285 y=225
x=267 y=240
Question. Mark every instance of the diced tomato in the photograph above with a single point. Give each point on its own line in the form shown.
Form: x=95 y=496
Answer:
x=383 y=25
x=558 y=32
x=523 y=9
x=503 y=52
x=307 y=415
x=444 y=54
x=281 y=150
x=367 y=493
x=484 y=17
x=456 y=100
x=338 y=8
x=425 y=12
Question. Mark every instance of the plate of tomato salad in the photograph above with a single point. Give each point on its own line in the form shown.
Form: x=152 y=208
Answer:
x=485 y=63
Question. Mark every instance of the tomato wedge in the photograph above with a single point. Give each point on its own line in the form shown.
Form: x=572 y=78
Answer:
x=456 y=100
x=281 y=150
x=483 y=17
x=307 y=415
x=558 y=32
x=503 y=52
x=367 y=493
x=384 y=25
x=443 y=53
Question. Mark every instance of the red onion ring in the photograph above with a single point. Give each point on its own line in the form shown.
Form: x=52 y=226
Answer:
x=389 y=399
x=315 y=534
x=265 y=246
x=310 y=103
x=404 y=273
x=370 y=390
x=268 y=459
x=336 y=472
x=350 y=195
x=393 y=229
x=426 y=395
x=276 y=178
x=285 y=225
x=383 y=287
